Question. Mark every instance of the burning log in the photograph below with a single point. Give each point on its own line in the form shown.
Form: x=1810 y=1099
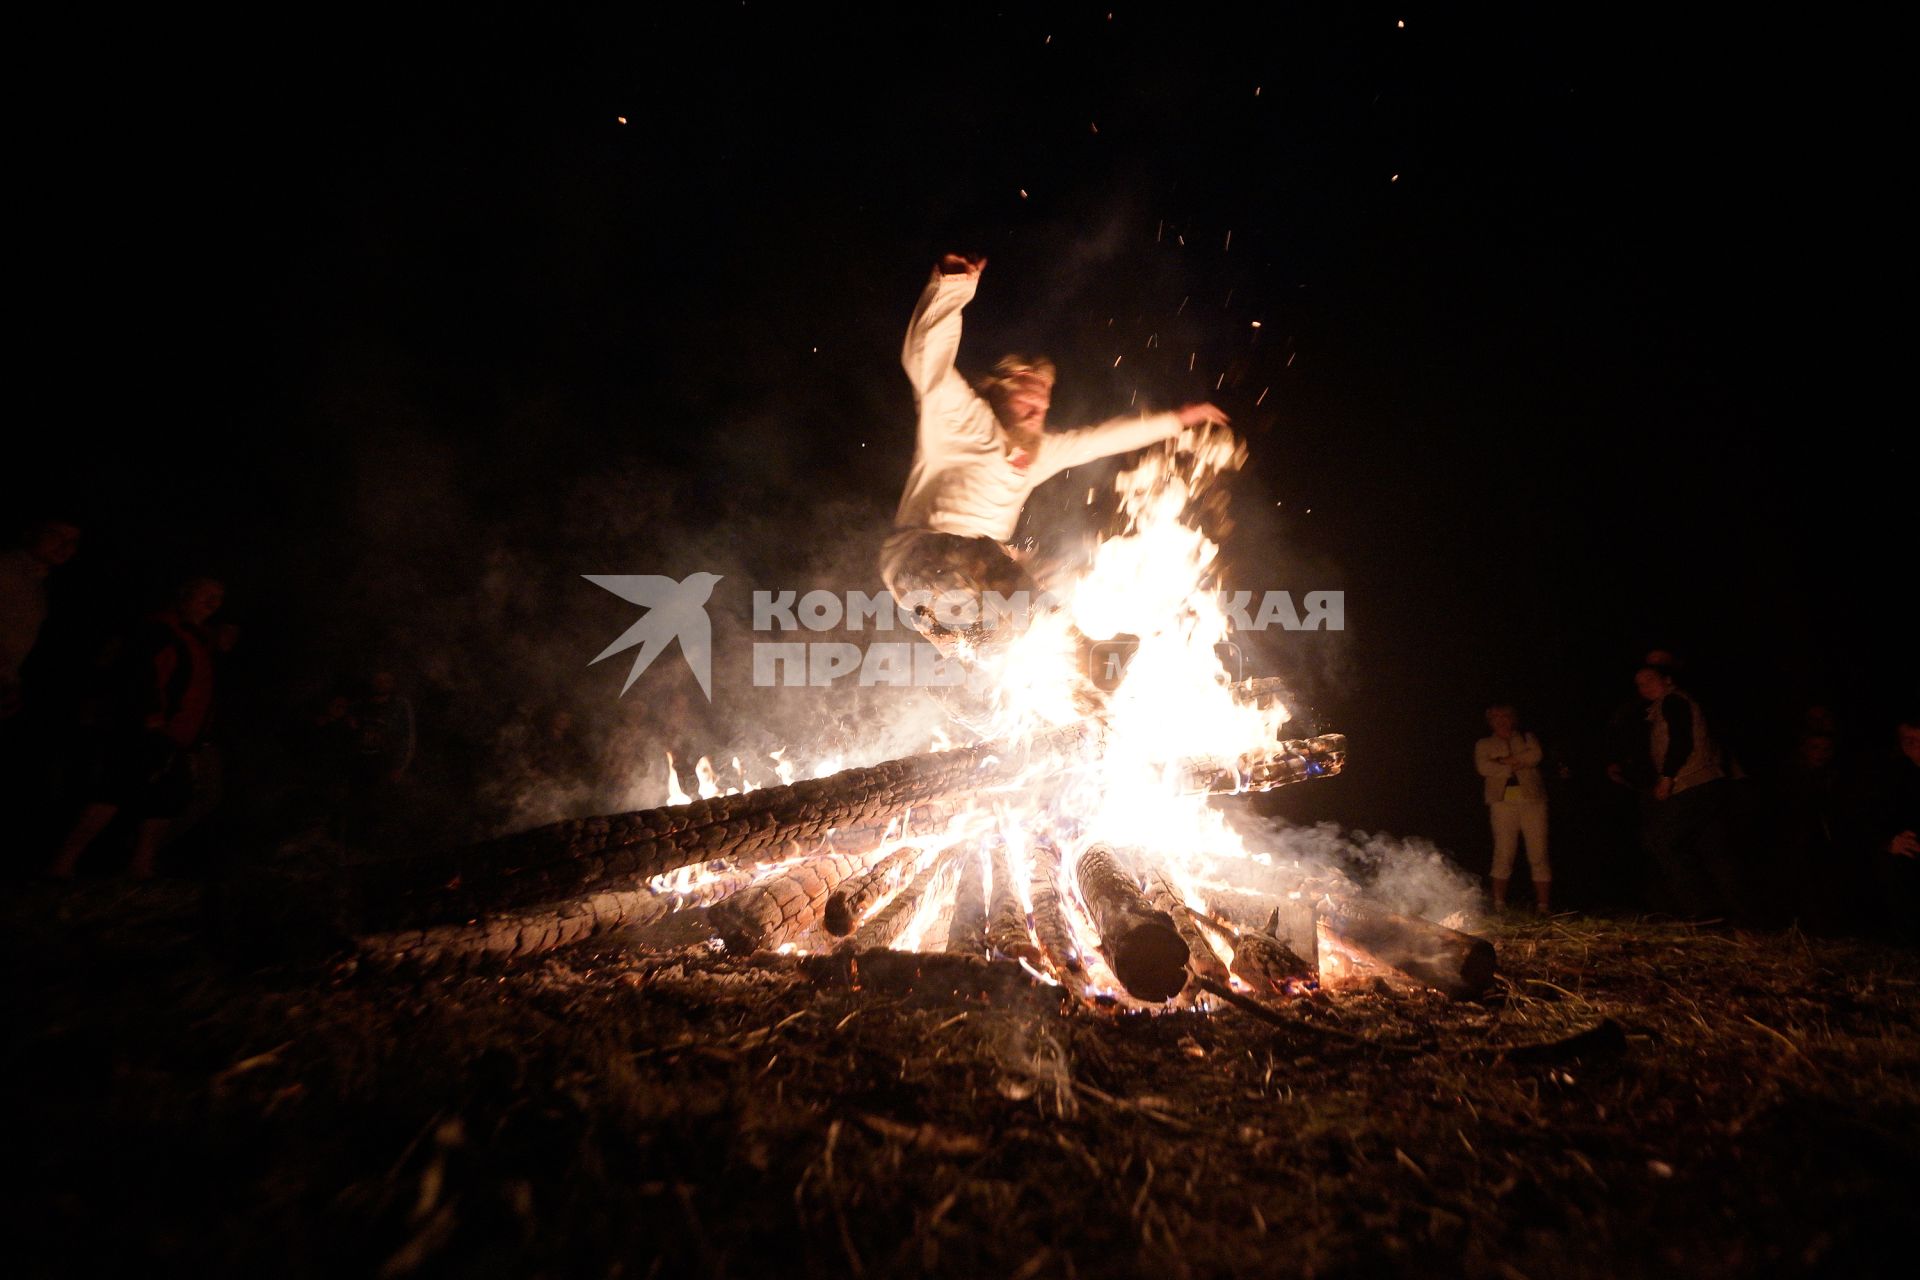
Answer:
x=1201 y=960
x=932 y=816
x=517 y=933
x=852 y=900
x=1344 y=968
x=779 y=910
x=1267 y=965
x=1284 y=763
x=1291 y=920
x=1260 y=960
x=893 y=918
x=847 y=813
x=1456 y=964
x=1050 y=919
x=1006 y=915
x=967 y=932
x=562 y=884
x=1140 y=942
x=1261 y=691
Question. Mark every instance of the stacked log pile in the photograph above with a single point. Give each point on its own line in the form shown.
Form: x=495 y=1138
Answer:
x=823 y=859
x=508 y=896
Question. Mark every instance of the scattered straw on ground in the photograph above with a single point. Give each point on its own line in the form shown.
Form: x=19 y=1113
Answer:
x=1635 y=1098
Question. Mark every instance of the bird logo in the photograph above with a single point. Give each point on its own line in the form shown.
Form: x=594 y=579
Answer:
x=675 y=611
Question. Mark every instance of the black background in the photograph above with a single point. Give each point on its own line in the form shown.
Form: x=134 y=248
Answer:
x=1605 y=368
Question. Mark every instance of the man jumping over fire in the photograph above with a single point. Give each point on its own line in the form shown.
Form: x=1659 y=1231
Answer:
x=981 y=449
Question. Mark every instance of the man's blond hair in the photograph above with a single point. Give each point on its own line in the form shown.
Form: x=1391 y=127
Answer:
x=1009 y=367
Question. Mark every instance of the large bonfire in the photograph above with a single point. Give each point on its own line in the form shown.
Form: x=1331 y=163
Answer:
x=1080 y=845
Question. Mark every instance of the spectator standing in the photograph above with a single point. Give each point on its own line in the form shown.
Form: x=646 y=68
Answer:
x=1516 y=798
x=23 y=599
x=383 y=721
x=1821 y=870
x=1889 y=815
x=165 y=704
x=1682 y=822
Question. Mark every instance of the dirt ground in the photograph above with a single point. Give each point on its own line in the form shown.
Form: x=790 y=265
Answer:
x=1635 y=1098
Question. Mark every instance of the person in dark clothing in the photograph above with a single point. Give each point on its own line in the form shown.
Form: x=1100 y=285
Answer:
x=332 y=736
x=384 y=720
x=1888 y=821
x=23 y=600
x=166 y=701
x=1627 y=763
x=1682 y=823
x=31 y=724
x=329 y=749
x=1815 y=858
x=378 y=808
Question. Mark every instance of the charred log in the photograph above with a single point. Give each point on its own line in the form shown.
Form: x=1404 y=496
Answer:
x=517 y=933
x=1459 y=965
x=1139 y=941
x=1284 y=763
x=1007 y=933
x=1050 y=919
x=847 y=813
x=967 y=933
x=1202 y=961
x=929 y=817
x=1260 y=960
x=779 y=910
x=888 y=923
x=1291 y=919
x=1267 y=965
x=854 y=899
x=567 y=882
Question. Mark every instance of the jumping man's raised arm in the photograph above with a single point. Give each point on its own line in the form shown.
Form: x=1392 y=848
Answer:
x=933 y=339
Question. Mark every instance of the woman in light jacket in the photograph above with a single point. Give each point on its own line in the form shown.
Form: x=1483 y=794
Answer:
x=1509 y=765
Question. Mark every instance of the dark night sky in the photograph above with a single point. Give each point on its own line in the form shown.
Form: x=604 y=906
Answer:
x=1595 y=373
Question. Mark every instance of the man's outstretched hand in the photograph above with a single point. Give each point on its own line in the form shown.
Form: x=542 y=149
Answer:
x=1196 y=415
x=1205 y=433
x=954 y=264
